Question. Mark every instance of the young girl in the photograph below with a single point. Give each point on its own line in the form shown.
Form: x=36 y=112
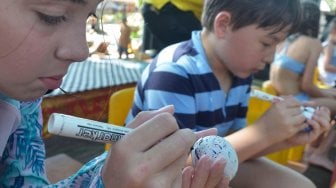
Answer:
x=293 y=69
x=39 y=40
x=327 y=61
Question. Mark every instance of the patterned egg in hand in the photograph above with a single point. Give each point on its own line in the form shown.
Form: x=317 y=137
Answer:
x=214 y=147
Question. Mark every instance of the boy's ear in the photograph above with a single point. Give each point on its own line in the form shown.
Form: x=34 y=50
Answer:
x=222 y=23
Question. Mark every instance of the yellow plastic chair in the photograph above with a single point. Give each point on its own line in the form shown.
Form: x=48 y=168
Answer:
x=120 y=103
x=256 y=107
x=317 y=81
x=291 y=154
x=268 y=88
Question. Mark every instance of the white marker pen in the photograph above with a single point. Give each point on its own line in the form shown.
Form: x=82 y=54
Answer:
x=264 y=96
x=268 y=97
x=75 y=127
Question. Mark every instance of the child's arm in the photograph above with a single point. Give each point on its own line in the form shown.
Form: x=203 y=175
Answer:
x=279 y=128
x=320 y=123
x=328 y=53
x=283 y=120
x=307 y=111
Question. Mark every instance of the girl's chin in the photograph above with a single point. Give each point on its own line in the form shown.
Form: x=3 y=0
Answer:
x=25 y=93
x=33 y=95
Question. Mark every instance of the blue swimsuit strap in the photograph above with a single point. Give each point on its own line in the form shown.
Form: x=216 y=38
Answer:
x=289 y=64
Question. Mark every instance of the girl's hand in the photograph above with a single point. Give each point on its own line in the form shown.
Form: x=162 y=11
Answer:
x=207 y=174
x=145 y=157
x=152 y=155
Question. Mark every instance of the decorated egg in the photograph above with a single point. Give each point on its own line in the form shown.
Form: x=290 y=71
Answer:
x=216 y=147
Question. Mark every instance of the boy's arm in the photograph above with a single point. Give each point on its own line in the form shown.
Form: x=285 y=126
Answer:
x=282 y=121
x=249 y=141
x=274 y=148
x=319 y=124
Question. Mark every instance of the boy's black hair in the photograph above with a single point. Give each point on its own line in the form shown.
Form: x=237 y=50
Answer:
x=310 y=24
x=275 y=14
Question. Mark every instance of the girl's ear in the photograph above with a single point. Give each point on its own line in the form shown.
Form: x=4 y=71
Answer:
x=222 y=23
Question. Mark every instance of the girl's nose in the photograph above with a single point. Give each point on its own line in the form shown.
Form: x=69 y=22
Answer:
x=73 y=47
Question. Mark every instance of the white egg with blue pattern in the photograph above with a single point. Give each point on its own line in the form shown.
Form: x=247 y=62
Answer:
x=215 y=147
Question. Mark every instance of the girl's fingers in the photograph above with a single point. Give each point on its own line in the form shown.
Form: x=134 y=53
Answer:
x=170 y=149
x=202 y=171
x=224 y=183
x=151 y=132
x=146 y=115
x=216 y=173
x=173 y=172
x=187 y=175
x=207 y=132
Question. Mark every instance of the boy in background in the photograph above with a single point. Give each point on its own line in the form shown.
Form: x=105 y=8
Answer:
x=125 y=38
x=208 y=80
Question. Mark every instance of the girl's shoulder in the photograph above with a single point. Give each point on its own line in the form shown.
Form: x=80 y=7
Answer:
x=309 y=42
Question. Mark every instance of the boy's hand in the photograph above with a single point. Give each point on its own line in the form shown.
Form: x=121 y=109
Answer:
x=283 y=120
x=319 y=123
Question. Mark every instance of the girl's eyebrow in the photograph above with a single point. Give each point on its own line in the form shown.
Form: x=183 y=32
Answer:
x=82 y=2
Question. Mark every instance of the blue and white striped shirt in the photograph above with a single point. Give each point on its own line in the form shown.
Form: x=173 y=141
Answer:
x=180 y=75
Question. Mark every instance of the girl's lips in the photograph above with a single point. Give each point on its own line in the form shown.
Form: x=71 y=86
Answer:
x=52 y=82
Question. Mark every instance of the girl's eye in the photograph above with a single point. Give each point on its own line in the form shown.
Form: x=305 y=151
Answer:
x=266 y=44
x=51 y=20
